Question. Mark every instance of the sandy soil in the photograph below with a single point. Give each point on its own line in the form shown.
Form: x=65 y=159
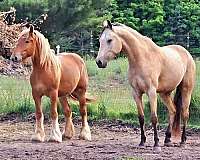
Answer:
x=109 y=141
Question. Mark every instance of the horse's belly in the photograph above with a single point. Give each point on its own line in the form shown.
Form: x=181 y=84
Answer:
x=167 y=84
x=66 y=88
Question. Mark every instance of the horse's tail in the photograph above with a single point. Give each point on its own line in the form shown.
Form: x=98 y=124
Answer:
x=88 y=99
x=176 y=129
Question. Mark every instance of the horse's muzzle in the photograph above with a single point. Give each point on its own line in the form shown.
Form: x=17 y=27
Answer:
x=100 y=64
x=15 y=58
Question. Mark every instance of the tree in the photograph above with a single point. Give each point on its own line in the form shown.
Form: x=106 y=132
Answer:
x=25 y=8
x=144 y=16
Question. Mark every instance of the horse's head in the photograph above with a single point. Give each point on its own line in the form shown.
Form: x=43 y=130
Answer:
x=110 y=45
x=26 y=45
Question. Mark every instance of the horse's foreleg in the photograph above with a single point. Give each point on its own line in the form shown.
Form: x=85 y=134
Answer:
x=138 y=100
x=56 y=135
x=167 y=100
x=154 y=119
x=85 y=130
x=39 y=128
x=69 y=127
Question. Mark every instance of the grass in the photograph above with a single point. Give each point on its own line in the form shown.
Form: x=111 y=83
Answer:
x=109 y=85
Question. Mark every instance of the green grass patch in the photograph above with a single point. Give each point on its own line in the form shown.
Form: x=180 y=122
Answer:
x=110 y=86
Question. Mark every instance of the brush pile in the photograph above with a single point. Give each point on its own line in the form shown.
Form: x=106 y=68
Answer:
x=9 y=34
x=9 y=68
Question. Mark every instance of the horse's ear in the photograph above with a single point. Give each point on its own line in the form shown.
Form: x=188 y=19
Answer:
x=107 y=24
x=27 y=25
x=31 y=29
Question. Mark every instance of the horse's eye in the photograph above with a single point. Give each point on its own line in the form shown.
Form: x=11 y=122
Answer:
x=27 y=41
x=109 y=41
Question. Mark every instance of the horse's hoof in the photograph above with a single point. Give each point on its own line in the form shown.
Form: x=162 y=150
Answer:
x=66 y=137
x=141 y=146
x=56 y=136
x=157 y=149
x=68 y=134
x=85 y=134
x=168 y=144
x=85 y=137
x=53 y=139
x=182 y=144
x=37 y=138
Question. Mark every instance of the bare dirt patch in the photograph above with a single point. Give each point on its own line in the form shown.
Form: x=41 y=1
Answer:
x=109 y=141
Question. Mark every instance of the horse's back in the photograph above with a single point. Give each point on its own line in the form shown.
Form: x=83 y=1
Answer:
x=73 y=57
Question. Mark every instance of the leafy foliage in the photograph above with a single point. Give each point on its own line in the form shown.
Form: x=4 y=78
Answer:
x=70 y=22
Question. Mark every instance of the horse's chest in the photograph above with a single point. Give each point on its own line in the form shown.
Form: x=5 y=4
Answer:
x=41 y=86
x=137 y=82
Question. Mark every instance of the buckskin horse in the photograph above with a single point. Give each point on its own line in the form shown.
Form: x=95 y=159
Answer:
x=152 y=69
x=54 y=76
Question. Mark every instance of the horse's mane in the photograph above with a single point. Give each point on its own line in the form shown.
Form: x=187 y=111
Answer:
x=135 y=33
x=47 y=55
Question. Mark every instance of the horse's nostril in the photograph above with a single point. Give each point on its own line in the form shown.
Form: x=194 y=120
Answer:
x=99 y=63
x=12 y=58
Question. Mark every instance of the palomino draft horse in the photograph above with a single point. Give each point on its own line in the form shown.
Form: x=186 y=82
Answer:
x=152 y=70
x=54 y=76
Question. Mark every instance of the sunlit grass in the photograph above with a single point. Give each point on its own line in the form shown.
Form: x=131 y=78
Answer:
x=110 y=87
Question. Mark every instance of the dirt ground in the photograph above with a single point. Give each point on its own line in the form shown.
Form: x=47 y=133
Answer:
x=109 y=141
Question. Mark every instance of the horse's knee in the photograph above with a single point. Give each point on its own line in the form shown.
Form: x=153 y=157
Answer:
x=38 y=115
x=141 y=119
x=67 y=112
x=54 y=114
x=83 y=107
x=185 y=115
x=83 y=111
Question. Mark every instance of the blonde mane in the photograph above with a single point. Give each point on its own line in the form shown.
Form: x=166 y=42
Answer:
x=136 y=34
x=47 y=55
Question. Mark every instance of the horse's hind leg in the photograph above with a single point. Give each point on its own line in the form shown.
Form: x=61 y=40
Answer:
x=39 y=134
x=56 y=135
x=69 y=127
x=186 y=93
x=85 y=130
x=167 y=100
x=186 y=97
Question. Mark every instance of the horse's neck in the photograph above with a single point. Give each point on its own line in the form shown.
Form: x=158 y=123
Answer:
x=135 y=45
x=36 y=59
